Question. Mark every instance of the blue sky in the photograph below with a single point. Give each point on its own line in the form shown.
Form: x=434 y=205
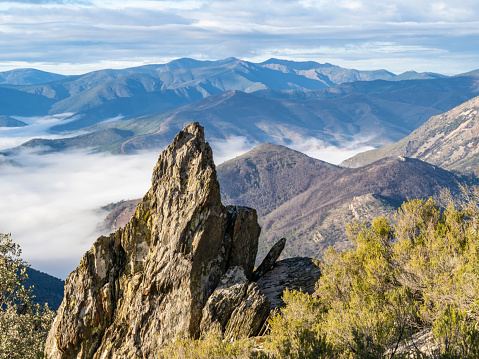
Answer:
x=77 y=36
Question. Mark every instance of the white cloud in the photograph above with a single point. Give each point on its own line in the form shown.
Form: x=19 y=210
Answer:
x=230 y=148
x=120 y=33
x=321 y=150
x=37 y=128
x=51 y=204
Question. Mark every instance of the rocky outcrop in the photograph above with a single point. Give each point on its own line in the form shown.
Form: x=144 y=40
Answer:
x=237 y=307
x=158 y=276
x=300 y=273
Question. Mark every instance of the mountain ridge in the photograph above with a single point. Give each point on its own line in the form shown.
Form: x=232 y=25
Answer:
x=104 y=94
x=381 y=114
x=310 y=202
x=448 y=140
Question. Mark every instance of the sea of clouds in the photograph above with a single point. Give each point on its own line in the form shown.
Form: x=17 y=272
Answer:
x=51 y=203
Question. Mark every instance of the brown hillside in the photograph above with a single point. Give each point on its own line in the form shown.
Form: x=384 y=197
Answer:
x=311 y=202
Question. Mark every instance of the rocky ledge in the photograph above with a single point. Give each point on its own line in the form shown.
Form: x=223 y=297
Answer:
x=183 y=264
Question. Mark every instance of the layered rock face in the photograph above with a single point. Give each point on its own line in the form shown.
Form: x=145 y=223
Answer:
x=182 y=264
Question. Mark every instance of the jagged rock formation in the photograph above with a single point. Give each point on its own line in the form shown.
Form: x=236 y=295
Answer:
x=158 y=276
x=270 y=259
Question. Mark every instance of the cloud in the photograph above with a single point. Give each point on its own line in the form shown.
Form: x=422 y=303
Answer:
x=46 y=2
x=232 y=147
x=51 y=204
x=37 y=128
x=51 y=34
x=321 y=150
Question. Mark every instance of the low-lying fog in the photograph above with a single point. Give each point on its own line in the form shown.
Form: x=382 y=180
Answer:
x=51 y=203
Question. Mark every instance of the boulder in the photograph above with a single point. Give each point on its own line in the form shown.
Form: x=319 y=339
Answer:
x=300 y=273
x=237 y=307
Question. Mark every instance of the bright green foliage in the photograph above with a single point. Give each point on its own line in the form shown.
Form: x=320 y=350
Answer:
x=459 y=337
x=422 y=273
x=295 y=333
x=367 y=310
x=210 y=346
x=23 y=324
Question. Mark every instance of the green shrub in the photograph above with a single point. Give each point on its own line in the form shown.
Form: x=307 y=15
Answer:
x=210 y=346
x=295 y=332
x=24 y=325
x=421 y=273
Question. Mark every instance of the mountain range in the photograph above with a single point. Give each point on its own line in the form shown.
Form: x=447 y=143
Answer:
x=28 y=77
x=105 y=94
x=449 y=140
x=373 y=113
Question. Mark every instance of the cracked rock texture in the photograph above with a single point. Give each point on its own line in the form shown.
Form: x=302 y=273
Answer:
x=158 y=276
x=300 y=273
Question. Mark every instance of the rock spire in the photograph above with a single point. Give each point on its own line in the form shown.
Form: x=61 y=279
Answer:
x=172 y=269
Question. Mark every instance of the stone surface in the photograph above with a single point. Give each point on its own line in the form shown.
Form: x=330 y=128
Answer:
x=298 y=273
x=270 y=259
x=236 y=306
x=147 y=282
x=422 y=342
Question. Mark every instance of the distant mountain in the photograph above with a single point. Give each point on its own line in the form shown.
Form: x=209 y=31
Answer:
x=7 y=121
x=374 y=113
x=327 y=73
x=470 y=73
x=449 y=140
x=46 y=288
x=101 y=95
x=310 y=202
x=99 y=139
x=28 y=77
x=413 y=75
x=441 y=94
x=14 y=102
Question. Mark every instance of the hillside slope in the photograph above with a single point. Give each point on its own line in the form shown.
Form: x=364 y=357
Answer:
x=449 y=140
x=46 y=288
x=310 y=202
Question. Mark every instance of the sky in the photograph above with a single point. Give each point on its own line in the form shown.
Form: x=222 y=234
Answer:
x=78 y=36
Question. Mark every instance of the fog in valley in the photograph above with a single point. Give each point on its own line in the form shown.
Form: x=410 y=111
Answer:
x=51 y=203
